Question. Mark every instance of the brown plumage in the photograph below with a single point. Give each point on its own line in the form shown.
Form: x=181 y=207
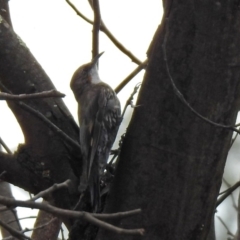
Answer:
x=99 y=116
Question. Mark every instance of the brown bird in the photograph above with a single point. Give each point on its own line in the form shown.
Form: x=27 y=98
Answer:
x=99 y=115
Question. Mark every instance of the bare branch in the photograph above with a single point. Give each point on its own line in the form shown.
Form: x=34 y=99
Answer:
x=13 y=231
x=5 y=146
x=130 y=99
x=234 y=139
x=44 y=119
x=131 y=76
x=181 y=97
x=104 y=29
x=119 y=215
x=23 y=218
x=231 y=189
x=119 y=45
x=110 y=227
x=227 y=193
x=11 y=214
x=45 y=94
x=40 y=226
x=79 y=13
x=91 y=218
x=54 y=187
x=96 y=27
x=223 y=223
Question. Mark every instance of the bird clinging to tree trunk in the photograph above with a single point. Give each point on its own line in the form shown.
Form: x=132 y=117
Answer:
x=99 y=115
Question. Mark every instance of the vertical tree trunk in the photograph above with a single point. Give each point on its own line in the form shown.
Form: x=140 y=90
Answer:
x=172 y=161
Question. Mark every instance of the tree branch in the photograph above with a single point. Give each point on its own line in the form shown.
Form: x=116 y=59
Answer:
x=14 y=232
x=104 y=29
x=5 y=146
x=130 y=99
x=227 y=193
x=91 y=218
x=54 y=187
x=131 y=76
x=44 y=94
x=96 y=27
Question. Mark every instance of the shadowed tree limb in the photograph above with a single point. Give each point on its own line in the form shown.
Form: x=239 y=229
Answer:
x=92 y=218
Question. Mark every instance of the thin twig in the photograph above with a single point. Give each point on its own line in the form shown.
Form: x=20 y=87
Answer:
x=96 y=28
x=104 y=29
x=117 y=151
x=233 y=140
x=227 y=193
x=54 y=187
x=232 y=197
x=181 y=97
x=131 y=76
x=44 y=94
x=79 y=201
x=78 y=12
x=5 y=146
x=110 y=227
x=23 y=218
x=119 y=215
x=223 y=223
x=40 y=226
x=13 y=231
x=91 y=218
x=130 y=99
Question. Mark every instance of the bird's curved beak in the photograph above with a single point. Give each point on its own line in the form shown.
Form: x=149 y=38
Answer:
x=95 y=60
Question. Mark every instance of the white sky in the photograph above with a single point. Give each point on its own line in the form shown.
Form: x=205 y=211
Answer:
x=61 y=42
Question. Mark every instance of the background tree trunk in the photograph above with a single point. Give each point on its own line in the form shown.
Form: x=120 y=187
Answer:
x=45 y=158
x=172 y=161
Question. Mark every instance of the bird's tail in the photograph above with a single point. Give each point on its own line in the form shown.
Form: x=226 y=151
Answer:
x=94 y=189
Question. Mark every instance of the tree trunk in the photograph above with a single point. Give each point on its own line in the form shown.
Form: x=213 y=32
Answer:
x=46 y=157
x=172 y=161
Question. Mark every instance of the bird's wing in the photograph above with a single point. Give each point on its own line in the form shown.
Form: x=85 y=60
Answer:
x=107 y=119
x=85 y=139
x=95 y=136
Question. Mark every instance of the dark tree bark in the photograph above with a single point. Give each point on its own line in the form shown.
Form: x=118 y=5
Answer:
x=172 y=161
x=46 y=157
x=4 y=11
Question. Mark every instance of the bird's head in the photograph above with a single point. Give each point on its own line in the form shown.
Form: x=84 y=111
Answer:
x=86 y=74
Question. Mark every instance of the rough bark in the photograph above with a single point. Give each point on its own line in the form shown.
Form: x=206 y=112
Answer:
x=48 y=232
x=172 y=161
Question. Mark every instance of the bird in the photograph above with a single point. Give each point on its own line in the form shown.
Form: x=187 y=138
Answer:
x=99 y=115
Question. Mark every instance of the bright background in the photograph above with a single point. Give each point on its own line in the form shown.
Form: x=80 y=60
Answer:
x=61 y=41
